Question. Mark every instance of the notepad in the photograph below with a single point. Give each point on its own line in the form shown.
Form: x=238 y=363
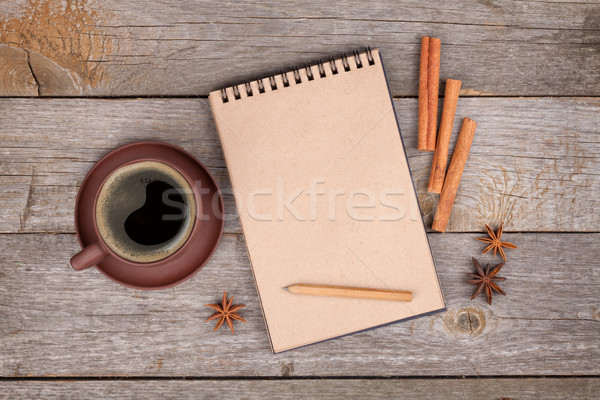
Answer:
x=325 y=196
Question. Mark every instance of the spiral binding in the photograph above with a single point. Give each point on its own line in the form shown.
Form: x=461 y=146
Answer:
x=298 y=78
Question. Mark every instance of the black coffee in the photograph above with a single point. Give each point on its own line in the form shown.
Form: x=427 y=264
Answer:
x=160 y=218
x=145 y=211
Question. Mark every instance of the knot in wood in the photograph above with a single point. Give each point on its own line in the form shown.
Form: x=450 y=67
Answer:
x=466 y=321
x=287 y=369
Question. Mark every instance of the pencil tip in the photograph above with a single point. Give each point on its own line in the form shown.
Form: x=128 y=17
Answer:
x=286 y=288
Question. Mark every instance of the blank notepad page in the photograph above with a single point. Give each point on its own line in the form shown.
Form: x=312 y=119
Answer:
x=325 y=196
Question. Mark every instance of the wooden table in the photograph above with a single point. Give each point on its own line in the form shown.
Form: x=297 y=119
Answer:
x=96 y=75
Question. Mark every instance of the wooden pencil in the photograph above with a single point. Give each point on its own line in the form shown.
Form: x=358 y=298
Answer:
x=350 y=292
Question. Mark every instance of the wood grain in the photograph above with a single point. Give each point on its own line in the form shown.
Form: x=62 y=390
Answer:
x=186 y=48
x=534 y=163
x=59 y=322
x=325 y=389
x=26 y=73
x=16 y=77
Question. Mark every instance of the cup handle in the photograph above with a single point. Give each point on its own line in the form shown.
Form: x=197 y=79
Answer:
x=88 y=257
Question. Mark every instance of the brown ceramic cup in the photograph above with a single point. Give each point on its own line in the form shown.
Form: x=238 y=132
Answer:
x=148 y=215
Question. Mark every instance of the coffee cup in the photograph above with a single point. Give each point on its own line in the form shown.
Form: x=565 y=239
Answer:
x=145 y=212
x=142 y=219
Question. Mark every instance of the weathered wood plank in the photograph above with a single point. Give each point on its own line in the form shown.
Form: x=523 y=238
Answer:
x=432 y=389
x=187 y=48
x=535 y=163
x=58 y=322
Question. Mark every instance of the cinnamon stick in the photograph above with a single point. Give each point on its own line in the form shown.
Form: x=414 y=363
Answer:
x=423 y=102
x=433 y=82
x=455 y=171
x=440 y=158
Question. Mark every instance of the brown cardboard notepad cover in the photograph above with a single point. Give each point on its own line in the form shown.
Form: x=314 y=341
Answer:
x=325 y=196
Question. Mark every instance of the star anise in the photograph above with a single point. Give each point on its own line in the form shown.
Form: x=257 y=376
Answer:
x=486 y=280
x=225 y=312
x=495 y=242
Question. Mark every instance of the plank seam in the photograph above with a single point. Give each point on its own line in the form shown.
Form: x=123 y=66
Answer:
x=429 y=232
x=205 y=97
x=115 y=378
